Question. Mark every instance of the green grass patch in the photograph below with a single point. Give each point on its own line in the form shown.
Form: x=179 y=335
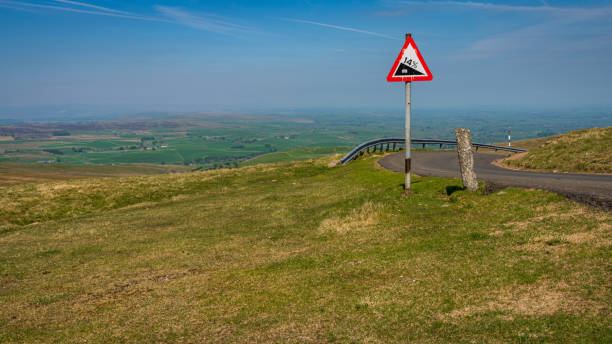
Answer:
x=298 y=154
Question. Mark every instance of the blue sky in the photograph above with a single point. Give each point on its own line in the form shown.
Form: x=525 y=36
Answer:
x=207 y=55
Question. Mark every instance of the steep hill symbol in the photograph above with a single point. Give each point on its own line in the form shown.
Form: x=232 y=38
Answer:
x=404 y=70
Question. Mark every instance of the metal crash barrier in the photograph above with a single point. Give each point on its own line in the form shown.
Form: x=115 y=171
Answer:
x=386 y=144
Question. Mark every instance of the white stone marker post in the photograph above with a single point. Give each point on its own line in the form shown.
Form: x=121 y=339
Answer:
x=466 y=158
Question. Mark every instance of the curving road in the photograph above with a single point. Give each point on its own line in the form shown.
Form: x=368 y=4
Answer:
x=592 y=189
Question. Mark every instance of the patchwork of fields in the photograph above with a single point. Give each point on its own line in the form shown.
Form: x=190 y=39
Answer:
x=200 y=142
x=212 y=141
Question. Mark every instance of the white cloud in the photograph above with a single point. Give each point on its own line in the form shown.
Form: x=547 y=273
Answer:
x=203 y=21
x=542 y=41
x=565 y=13
x=554 y=29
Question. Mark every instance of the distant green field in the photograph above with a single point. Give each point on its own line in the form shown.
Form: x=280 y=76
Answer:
x=94 y=144
x=296 y=155
x=222 y=142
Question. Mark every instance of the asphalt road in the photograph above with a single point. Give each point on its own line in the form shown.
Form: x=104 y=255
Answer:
x=591 y=189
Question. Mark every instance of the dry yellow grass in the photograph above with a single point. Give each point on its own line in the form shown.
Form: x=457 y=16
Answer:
x=544 y=298
x=363 y=218
x=15 y=173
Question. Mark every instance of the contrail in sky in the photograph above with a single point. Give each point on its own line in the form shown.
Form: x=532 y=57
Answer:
x=105 y=12
x=337 y=27
x=206 y=22
x=83 y=4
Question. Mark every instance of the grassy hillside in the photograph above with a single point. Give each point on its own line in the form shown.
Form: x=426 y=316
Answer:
x=15 y=173
x=588 y=150
x=299 y=252
x=298 y=154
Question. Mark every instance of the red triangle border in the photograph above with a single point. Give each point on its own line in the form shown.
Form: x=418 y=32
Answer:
x=427 y=77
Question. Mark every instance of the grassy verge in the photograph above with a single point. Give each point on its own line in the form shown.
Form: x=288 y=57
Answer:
x=299 y=252
x=588 y=150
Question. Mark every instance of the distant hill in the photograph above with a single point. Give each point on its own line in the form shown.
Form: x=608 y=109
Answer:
x=587 y=150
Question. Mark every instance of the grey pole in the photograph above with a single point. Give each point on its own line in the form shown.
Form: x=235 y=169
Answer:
x=407 y=163
x=408 y=155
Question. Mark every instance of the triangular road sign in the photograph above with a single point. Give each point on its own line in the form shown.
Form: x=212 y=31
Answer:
x=409 y=65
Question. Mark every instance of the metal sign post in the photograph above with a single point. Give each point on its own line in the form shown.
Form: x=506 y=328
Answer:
x=409 y=66
x=408 y=138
